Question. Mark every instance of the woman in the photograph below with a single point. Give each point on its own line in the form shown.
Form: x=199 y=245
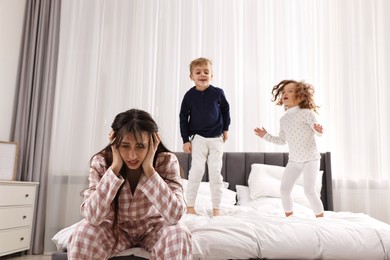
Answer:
x=135 y=197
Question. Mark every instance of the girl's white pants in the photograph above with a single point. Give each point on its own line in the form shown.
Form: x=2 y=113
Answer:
x=310 y=171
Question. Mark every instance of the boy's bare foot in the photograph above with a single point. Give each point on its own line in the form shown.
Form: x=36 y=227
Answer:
x=191 y=210
x=320 y=215
x=216 y=212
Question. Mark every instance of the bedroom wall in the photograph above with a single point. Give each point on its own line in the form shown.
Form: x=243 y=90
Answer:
x=11 y=27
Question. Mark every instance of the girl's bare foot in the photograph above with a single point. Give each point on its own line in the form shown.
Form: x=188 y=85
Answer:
x=216 y=212
x=288 y=213
x=191 y=210
x=320 y=215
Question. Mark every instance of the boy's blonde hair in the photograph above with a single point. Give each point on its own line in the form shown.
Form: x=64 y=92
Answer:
x=199 y=62
x=303 y=91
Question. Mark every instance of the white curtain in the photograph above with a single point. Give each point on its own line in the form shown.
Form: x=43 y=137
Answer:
x=116 y=55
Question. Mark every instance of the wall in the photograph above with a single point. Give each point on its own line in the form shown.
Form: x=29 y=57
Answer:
x=11 y=29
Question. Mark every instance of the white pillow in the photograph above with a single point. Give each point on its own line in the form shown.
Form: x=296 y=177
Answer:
x=243 y=195
x=60 y=239
x=264 y=181
x=203 y=197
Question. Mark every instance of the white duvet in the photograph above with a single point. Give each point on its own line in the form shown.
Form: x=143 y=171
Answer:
x=258 y=229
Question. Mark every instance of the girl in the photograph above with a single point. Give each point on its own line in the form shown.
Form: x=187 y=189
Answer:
x=298 y=128
x=135 y=198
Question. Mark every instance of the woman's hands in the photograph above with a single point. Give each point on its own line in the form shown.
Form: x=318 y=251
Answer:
x=117 y=161
x=147 y=164
x=260 y=132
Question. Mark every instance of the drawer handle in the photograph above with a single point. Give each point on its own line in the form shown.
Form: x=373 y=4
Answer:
x=24 y=217
x=26 y=195
x=22 y=238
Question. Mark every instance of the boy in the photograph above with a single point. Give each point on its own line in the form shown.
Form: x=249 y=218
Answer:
x=204 y=125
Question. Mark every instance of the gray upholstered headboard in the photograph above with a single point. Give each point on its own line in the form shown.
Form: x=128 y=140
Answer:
x=237 y=166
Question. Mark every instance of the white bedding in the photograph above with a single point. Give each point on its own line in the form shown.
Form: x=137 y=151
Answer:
x=261 y=231
x=258 y=229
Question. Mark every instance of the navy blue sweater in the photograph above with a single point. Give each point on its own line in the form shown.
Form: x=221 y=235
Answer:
x=204 y=113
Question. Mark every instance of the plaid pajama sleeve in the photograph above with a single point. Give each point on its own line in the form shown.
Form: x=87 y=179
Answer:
x=166 y=196
x=103 y=186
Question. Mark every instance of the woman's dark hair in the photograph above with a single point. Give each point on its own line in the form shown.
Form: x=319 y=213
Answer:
x=136 y=122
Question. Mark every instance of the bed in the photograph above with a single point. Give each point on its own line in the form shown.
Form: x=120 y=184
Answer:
x=253 y=226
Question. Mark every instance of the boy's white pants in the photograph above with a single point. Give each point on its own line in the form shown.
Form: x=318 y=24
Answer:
x=204 y=150
x=310 y=172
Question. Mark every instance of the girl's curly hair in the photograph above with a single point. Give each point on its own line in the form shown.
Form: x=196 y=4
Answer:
x=303 y=92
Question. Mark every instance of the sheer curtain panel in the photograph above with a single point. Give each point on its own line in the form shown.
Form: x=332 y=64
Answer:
x=35 y=92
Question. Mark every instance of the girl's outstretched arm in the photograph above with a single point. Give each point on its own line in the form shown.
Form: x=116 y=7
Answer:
x=272 y=139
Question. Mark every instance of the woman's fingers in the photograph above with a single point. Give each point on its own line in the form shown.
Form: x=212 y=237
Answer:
x=111 y=136
x=157 y=139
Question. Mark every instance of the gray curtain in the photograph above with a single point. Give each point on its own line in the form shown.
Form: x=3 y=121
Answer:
x=34 y=102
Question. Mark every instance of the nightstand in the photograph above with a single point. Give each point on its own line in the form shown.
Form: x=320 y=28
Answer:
x=17 y=207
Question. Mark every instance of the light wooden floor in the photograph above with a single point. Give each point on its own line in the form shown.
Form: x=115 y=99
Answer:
x=27 y=257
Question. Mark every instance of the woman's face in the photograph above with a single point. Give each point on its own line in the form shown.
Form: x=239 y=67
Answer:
x=289 y=97
x=133 y=151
